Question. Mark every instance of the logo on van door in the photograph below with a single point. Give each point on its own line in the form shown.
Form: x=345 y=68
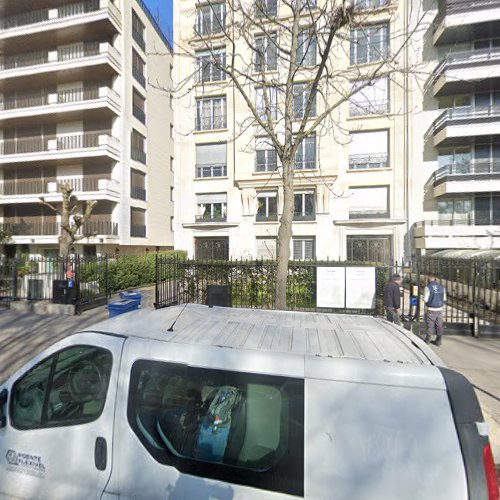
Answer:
x=25 y=463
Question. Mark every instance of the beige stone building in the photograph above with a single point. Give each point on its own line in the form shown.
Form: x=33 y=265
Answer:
x=351 y=184
x=85 y=99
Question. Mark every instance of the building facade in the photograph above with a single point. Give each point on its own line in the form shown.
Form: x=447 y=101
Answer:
x=459 y=121
x=85 y=100
x=352 y=179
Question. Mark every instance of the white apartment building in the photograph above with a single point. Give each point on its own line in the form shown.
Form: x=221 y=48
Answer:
x=456 y=177
x=85 y=99
x=351 y=184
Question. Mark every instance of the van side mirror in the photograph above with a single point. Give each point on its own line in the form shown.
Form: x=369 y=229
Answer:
x=4 y=396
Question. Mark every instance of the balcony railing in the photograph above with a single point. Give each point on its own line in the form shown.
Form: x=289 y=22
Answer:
x=473 y=170
x=304 y=164
x=462 y=220
x=27 y=228
x=211 y=170
x=138 y=231
x=213 y=122
x=367 y=161
x=138 y=155
x=370 y=4
x=266 y=218
x=139 y=76
x=369 y=108
x=213 y=218
x=269 y=166
x=84 y=140
x=100 y=227
x=465 y=113
x=49 y=14
x=467 y=57
x=139 y=113
x=304 y=217
x=23 y=187
x=138 y=193
x=464 y=6
x=369 y=214
x=139 y=38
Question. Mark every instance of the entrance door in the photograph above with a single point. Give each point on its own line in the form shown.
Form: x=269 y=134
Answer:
x=212 y=248
x=57 y=440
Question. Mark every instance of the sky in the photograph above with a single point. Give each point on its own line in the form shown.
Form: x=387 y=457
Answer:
x=162 y=9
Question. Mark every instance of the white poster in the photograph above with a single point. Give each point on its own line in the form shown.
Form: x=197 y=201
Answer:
x=330 y=289
x=360 y=287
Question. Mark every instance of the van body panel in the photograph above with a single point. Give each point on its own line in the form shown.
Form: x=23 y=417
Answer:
x=379 y=441
x=58 y=462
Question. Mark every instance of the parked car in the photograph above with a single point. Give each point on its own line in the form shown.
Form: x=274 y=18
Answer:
x=220 y=403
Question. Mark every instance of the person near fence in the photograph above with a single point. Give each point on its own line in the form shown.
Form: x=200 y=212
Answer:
x=392 y=299
x=434 y=299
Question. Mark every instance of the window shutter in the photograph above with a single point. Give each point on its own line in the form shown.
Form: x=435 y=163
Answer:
x=297 y=250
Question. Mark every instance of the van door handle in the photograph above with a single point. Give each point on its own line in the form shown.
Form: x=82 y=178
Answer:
x=101 y=453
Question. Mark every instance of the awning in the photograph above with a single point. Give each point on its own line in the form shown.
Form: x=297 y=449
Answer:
x=486 y=254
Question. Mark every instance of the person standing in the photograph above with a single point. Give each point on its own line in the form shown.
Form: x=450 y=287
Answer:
x=434 y=299
x=392 y=299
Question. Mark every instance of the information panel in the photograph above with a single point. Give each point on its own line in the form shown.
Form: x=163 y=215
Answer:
x=330 y=289
x=360 y=287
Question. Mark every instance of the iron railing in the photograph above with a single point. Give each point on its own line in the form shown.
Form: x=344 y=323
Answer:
x=99 y=227
x=139 y=113
x=139 y=76
x=138 y=230
x=299 y=217
x=27 y=228
x=367 y=161
x=213 y=122
x=139 y=38
x=473 y=56
x=304 y=164
x=463 y=113
x=372 y=107
x=209 y=218
x=475 y=169
x=211 y=170
x=138 y=155
x=371 y=4
x=138 y=193
x=266 y=217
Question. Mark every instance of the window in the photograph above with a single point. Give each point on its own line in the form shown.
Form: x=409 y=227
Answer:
x=369 y=202
x=266 y=8
x=171 y=131
x=211 y=160
x=171 y=223
x=372 y=99
x=138 y=106
x=171 y=164
x=171 y=193
x=303 y=248
x=455 y=211
x=454 y=101
x=305 y=157
x=137 y=223
x=271 y=93
x=67 y=388
x=368 y=248
x=266 y=248
x=171 y=101
x=138 y=30
x=304 y=206
x=210 y=64
x=301 y=97
x=210 y=19
x=266 y=158
x=211 y=207
x=138 y=68
x=369 y=44
x=210 y=113
x=267 y=206
x=458 y=159
x=137 y=185
x=306 y=48
x=370 y=4
x=486 y=209
x=266 y=52
x=369 y=150
x=211 y=248
x=242 y=428
x=138 y=147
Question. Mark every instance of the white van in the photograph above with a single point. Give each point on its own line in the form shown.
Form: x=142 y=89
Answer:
x=242 y=404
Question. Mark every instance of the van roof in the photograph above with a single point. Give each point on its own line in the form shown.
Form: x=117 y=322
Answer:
x=303 y=333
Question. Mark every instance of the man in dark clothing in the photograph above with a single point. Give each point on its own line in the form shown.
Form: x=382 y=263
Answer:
x=434 y=299
x=392 y=299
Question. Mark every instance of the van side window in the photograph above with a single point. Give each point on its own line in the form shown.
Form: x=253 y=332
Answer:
x=67 y=388
x=236 y=427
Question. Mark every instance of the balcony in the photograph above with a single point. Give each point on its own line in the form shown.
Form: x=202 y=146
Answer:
x=211 y=170
x=475 y=177
x=460 y=21
x=460 y=71
x=138 y=231
x=138 y=193
x=455 y=233
x=77 y=56
x=28 y=229
x=85 y=188
x=455 y=124
x=60 y=147
x=63 y=17
x=72 y=102
x=368 y=161
x=208 y=218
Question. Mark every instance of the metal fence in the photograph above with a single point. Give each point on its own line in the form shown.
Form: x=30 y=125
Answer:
x=472 y=307
x=77 y=280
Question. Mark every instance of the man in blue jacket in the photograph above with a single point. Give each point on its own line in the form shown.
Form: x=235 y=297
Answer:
x=434 y=299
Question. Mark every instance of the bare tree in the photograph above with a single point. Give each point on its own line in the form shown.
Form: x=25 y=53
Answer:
x=74 y=214
x=295 y=63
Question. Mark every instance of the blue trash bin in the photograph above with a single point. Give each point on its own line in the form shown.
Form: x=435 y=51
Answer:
x=122 y=306
x=131 y=295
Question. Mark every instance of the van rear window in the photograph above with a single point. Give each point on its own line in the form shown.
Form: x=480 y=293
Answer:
x=231 y=426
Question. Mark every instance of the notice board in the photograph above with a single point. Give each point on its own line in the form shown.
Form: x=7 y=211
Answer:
x=346 y=287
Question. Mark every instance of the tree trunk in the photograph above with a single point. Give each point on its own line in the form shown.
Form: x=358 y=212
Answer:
x=284 y=237
x=65 y=243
